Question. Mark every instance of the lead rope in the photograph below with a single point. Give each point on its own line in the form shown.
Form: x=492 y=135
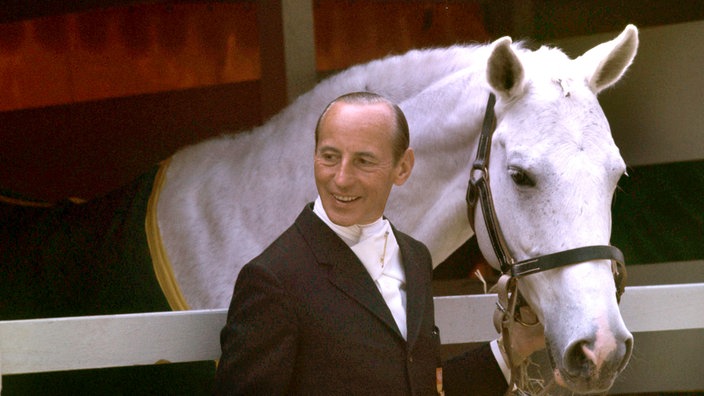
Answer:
x=505 y=309
x=506 y=316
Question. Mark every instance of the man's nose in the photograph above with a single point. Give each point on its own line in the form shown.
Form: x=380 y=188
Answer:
x=345 y=173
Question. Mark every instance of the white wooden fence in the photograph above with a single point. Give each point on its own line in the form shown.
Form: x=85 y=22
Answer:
x=665 y=319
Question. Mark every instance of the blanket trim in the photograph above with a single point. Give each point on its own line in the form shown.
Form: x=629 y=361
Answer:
x=160 y=259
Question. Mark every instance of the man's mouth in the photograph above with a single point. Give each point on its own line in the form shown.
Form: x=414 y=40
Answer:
x=345 y=198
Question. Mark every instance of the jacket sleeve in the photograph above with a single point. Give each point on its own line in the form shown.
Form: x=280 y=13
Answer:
x=474 y=373
x=259 y=339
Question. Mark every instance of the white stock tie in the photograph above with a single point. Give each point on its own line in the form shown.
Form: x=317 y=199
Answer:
x=379 y=254
x=391 y=291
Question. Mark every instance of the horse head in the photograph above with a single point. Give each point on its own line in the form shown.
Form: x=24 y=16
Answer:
x=553 y=171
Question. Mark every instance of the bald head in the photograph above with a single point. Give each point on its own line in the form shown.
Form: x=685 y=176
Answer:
x=401 y=138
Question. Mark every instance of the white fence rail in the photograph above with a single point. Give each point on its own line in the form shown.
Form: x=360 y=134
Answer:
x=671 y=311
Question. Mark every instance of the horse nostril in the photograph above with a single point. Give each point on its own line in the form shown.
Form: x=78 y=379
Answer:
x=627 y=355
x=580 y=360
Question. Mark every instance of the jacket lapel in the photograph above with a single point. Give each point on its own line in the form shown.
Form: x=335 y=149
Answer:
x=346 y=272
x=349 y=275
x=417 y=287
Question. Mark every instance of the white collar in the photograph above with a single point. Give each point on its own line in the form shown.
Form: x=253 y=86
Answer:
x=350 y=234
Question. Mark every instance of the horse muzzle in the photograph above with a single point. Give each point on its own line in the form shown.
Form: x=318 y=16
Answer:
x=590 y=364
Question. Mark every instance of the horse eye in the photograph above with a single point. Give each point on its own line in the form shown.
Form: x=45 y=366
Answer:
x=521 y=178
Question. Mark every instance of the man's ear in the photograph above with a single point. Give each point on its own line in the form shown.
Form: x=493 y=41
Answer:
x=404 y=167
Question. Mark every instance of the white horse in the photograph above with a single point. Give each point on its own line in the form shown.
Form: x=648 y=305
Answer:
x=554 y=170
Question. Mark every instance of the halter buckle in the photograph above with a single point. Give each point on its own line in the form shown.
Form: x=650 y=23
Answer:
x=479 y=171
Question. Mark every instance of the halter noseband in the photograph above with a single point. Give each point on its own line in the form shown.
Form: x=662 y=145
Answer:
x=478 y=189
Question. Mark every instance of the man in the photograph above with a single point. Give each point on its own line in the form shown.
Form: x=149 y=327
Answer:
x=341 y=302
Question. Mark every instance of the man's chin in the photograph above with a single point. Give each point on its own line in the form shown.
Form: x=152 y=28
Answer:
x=339 y=215
x=341 y=221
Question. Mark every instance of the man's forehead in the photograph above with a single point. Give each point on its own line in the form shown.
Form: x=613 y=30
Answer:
x=360 y=111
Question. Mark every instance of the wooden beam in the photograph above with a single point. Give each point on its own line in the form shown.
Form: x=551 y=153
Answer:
x=272 y=57
x=299 y=47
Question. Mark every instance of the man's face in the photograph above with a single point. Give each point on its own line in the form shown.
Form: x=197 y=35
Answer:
x=354 y=165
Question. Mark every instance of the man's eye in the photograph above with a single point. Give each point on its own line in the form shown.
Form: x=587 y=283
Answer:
x=327 y=157
x=366 y=162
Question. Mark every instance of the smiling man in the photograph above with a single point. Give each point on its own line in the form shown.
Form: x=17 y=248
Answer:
x=341 y=303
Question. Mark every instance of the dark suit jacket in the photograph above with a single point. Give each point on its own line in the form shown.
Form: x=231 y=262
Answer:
x=306 y=318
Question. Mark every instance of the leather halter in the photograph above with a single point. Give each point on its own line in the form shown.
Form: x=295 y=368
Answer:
x=508 y=306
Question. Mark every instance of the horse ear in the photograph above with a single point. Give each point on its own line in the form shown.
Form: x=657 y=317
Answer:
x=610 y=60
x=504 y=70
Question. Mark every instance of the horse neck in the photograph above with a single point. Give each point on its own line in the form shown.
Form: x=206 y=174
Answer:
x=398 y=78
